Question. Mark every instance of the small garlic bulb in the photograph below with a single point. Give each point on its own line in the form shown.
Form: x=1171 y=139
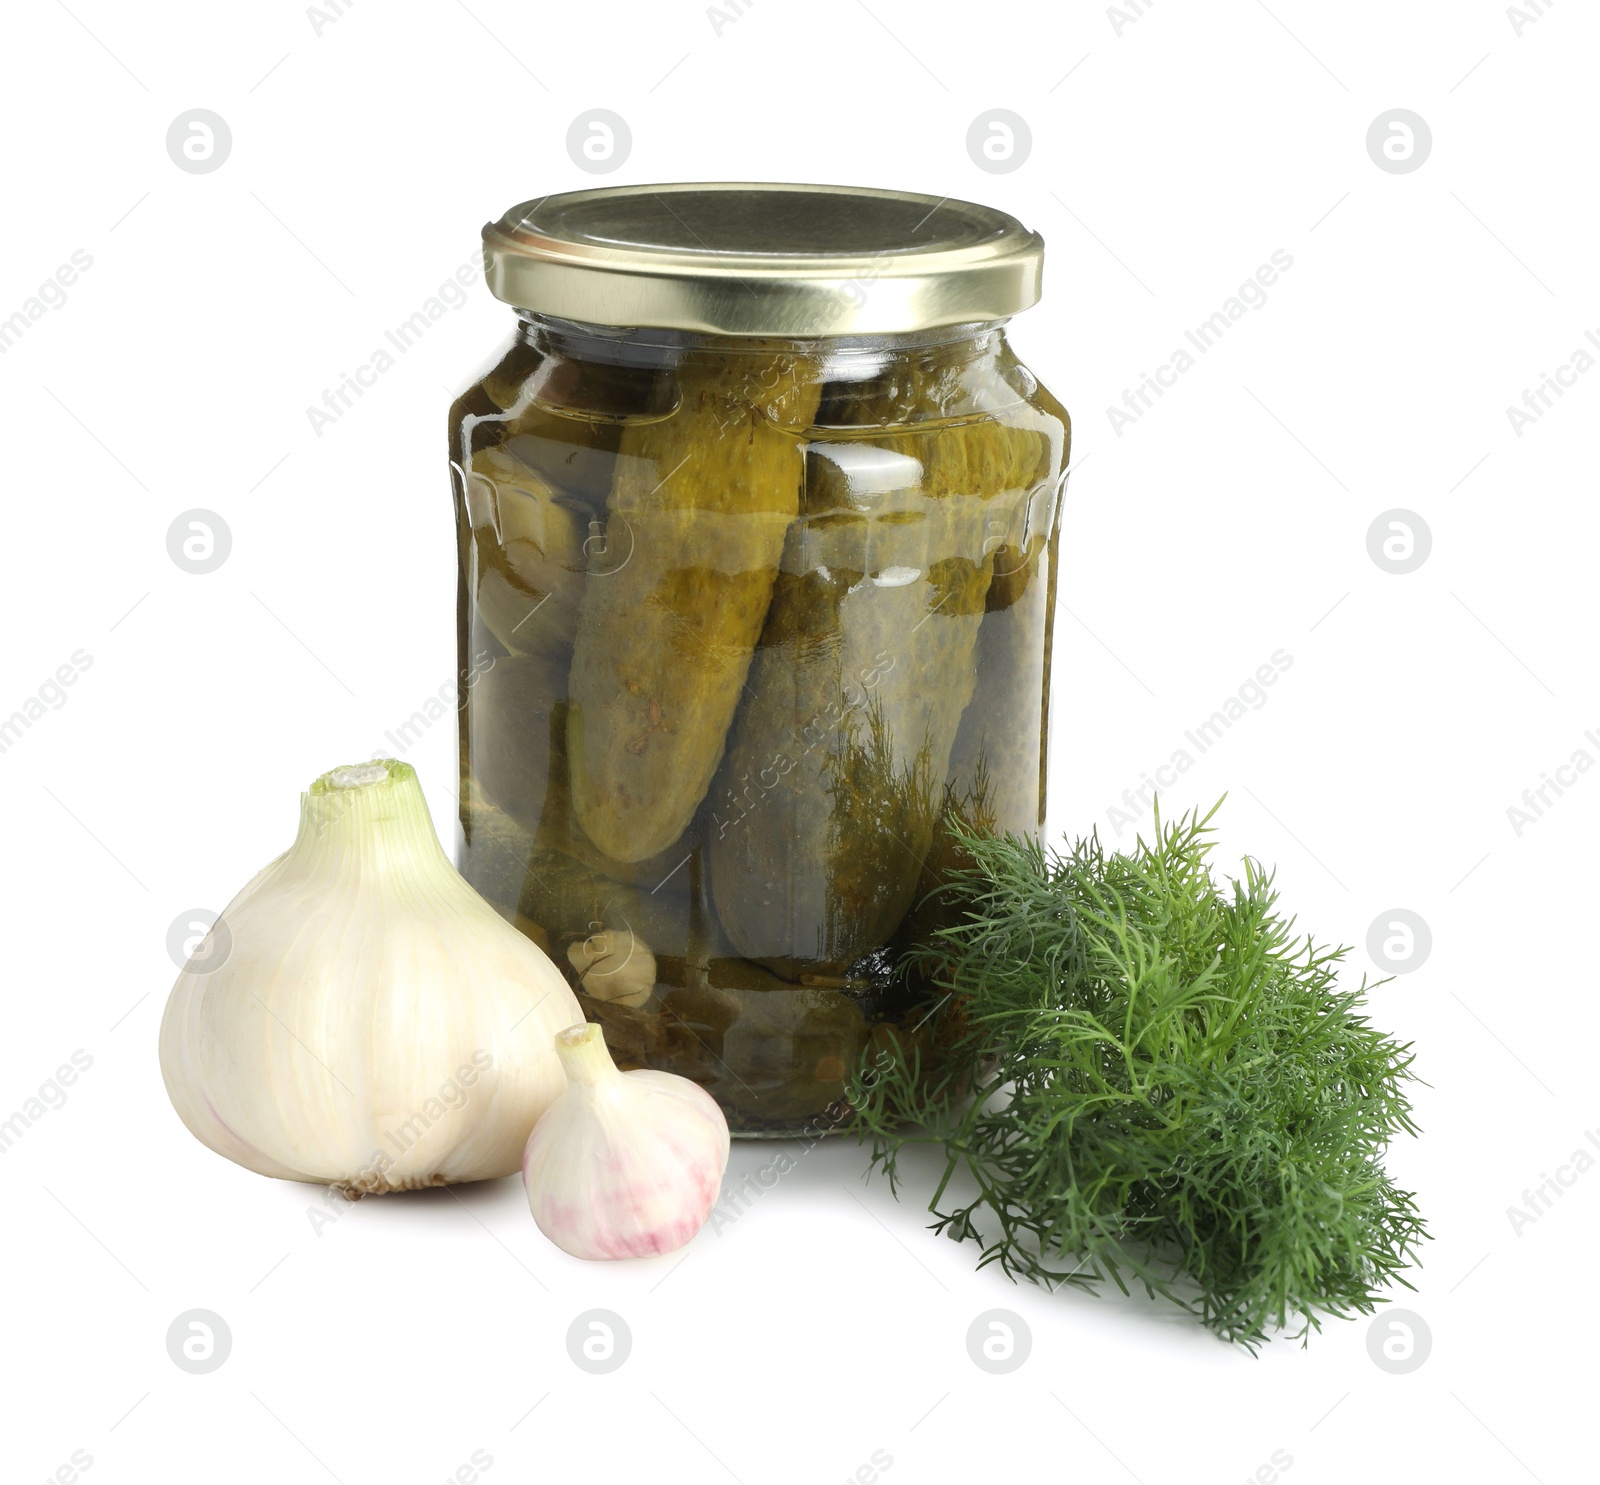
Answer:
x=375 y=1024
x=623 y=1164
x=615 y=965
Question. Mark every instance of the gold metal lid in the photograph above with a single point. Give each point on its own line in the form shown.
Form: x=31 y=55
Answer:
x=745 y=258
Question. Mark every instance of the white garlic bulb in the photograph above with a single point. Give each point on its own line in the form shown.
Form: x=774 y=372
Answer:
x=359 y=1016
x=623 y=1164
x=615 y=964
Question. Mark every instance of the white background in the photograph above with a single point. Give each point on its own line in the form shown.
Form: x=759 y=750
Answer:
x=1230 y=521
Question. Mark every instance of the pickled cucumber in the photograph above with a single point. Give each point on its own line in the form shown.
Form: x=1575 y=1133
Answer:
x=531 y=857
x=511 y=708
x=996 y=779
x=524 y=876
x=536 y=469
x=538 y=440
x=678 y=590
x=529 y=536
x=1001 y=734
x=825 y=806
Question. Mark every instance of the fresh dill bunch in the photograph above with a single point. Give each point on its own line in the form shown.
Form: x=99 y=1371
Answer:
x=1150 y=1079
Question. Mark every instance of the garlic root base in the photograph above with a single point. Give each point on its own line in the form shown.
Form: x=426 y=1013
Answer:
x=368 y=1184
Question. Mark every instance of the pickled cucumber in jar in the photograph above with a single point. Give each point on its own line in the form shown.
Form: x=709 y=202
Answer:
x=536 y=459
x=997 y=766
x=535 y=474
x=530 y=537
x=677 y=594
x=826 y=804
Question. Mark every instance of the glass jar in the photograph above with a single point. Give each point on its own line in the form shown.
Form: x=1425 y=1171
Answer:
x=757 y=525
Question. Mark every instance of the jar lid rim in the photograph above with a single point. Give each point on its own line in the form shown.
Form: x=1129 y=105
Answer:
x=762 y=258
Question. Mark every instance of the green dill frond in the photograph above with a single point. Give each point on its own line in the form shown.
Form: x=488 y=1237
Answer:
x=1152 y=1080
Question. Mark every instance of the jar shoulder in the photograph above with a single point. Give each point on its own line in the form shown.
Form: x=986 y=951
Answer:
x=557 y=390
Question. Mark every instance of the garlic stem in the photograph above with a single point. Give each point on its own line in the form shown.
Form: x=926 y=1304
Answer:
x=365 y=820
x=354 y=775
x=583 y=1054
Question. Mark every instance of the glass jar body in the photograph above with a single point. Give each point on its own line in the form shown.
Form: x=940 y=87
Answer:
x=740 y=622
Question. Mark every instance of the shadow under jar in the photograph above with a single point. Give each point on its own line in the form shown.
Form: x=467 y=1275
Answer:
x=757 y=523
